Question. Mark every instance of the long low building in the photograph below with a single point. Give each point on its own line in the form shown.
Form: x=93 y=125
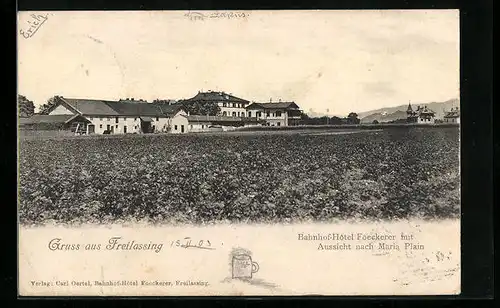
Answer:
x=118 y=117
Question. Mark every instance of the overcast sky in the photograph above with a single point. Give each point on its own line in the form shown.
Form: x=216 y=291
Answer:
x=338 y=60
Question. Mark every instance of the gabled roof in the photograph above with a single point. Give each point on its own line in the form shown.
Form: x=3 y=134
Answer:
x=216 y=96
x=135 y=109
x=90 y=106
x=280 y=105
x=119 y=108
x=452 y=114
x=426 y=110
x=169 y=109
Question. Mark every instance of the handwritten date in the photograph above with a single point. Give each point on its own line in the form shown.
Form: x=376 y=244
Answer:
x=228 y=15
x=188 y=242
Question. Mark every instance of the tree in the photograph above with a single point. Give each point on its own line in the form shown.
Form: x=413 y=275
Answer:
x=196 y=108
x=44 y=109
x=375 y=122
x=335 y=121
x=26 y=108
x=352 y=118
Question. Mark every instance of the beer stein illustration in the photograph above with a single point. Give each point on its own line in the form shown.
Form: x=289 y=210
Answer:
x=243 y=267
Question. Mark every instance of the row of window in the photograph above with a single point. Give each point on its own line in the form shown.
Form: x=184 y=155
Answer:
x=109 y=127
x=234 y=114
x=117 y=119
x=257 y=114
x=234 y=105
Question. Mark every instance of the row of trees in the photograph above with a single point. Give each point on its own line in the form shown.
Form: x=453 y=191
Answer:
x=26 y=108
x=352 y=118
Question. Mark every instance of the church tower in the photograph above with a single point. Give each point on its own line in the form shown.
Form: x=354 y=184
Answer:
x=409 y=110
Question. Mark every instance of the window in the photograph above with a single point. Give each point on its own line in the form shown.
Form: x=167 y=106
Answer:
x=224 y=113
x=125 y=129
x=272 y=114
x=125 y=119
x=203 y=126
x=267 y=114
x=234 y=113
x=157 y=119
x=100 y=118
x=175 y=127
x=278 y=124
x=135 y=119
x=191 y=126
x=116 y=126
x=250 y=114
x=278 y=114
x=259 y=114
x=108 y=127
x=234 y=105
x=116 y=120
x=100 y=125
x=223 y=104
x=238 y=113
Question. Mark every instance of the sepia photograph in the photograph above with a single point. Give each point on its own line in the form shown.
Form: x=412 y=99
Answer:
x=339 y=129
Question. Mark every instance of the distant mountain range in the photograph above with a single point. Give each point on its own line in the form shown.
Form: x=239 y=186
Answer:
x=399 y=112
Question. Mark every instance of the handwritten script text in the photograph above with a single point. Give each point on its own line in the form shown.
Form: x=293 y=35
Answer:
x=35 y=22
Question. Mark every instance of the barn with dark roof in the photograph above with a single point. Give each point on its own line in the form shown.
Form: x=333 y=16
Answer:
x=120 y=117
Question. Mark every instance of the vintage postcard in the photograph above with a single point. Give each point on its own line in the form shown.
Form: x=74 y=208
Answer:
x=195 y=153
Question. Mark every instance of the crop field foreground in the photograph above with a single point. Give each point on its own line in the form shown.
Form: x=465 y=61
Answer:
x=290 y=176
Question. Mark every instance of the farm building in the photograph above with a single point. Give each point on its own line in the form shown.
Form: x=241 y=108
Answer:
x=230 y=106
x=422 y=115
x=452 y=116
x=62 y=123
x=275 y=114
x=121 y=117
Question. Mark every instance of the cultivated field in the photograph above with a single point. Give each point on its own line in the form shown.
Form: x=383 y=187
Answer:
x=279 y=176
